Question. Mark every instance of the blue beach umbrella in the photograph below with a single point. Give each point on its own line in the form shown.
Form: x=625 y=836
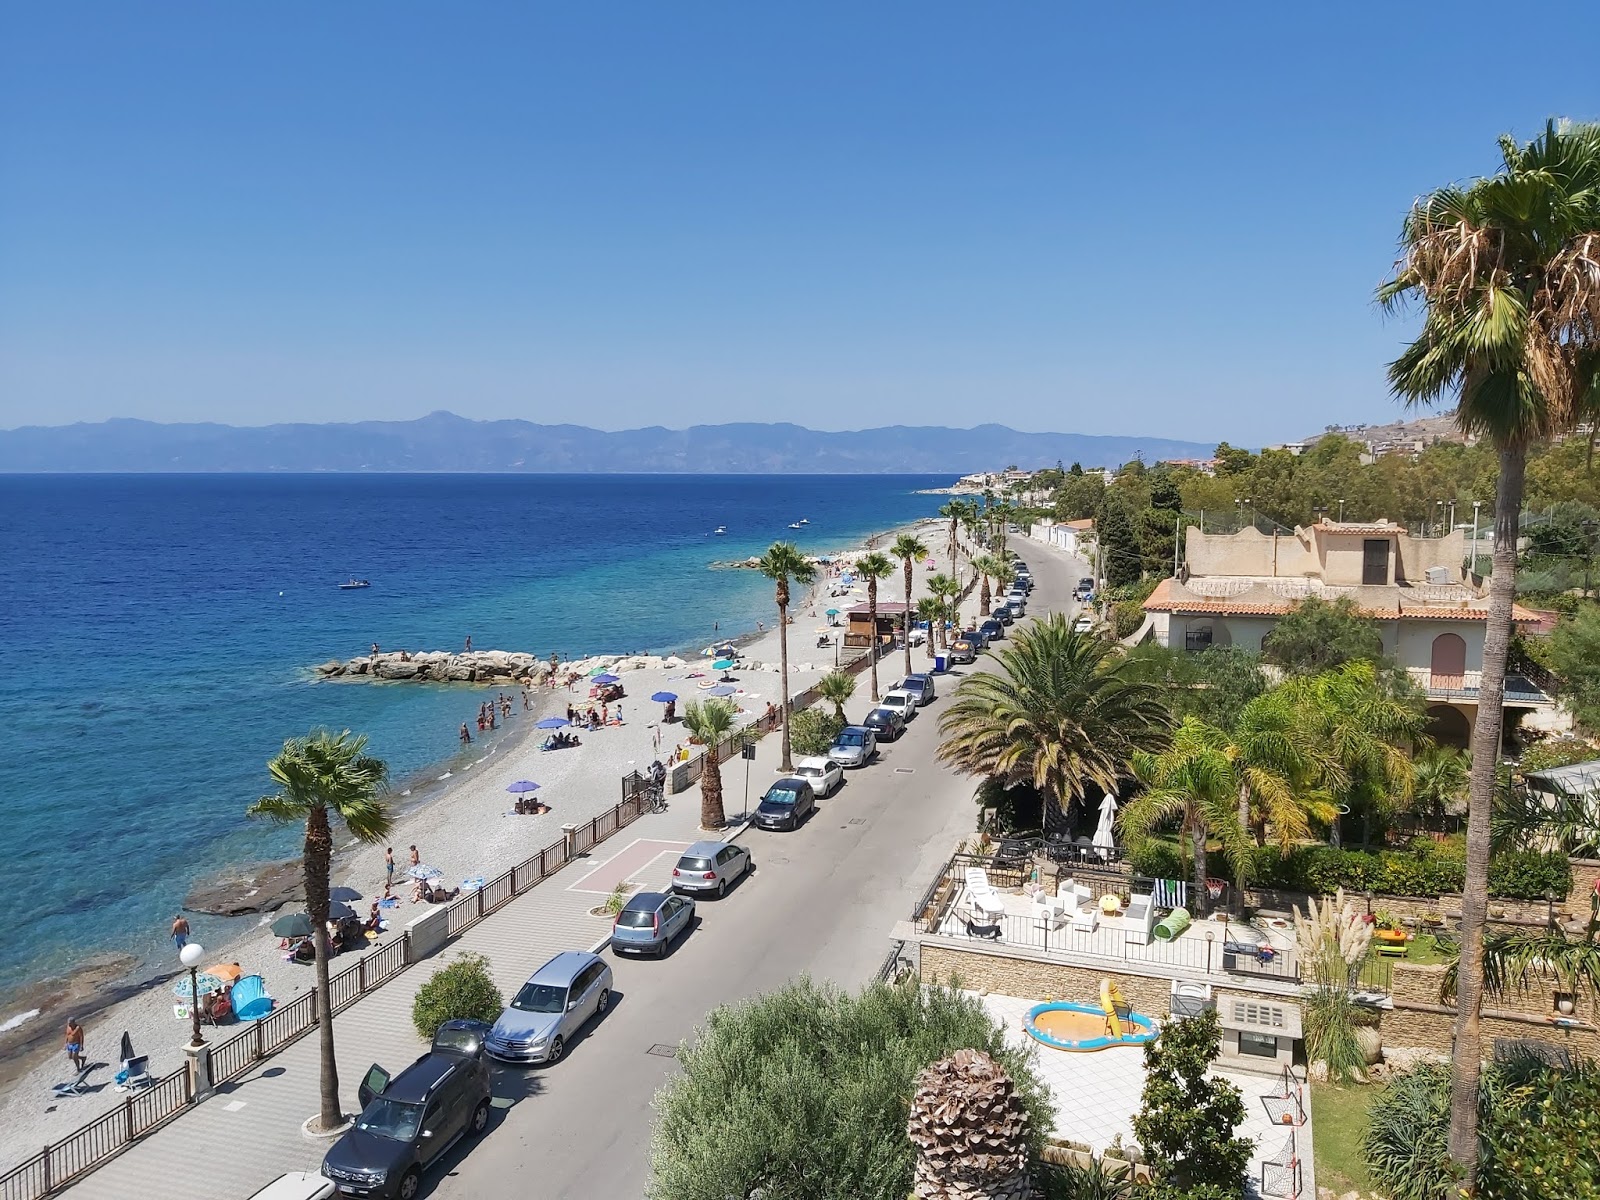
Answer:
x=724 y=689
x=833 y=612
x=604 y=678
x=664 y=697
x=722 y=664
x=207 y=981
x=523 y=785
x=552 y=723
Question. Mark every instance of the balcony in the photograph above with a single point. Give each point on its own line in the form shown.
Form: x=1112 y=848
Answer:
x=1519 y=691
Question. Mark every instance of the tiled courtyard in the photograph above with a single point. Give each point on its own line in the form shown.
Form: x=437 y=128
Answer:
x=1096 y=1095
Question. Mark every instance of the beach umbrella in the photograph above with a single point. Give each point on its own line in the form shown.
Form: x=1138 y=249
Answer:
x=724 y=689
x=424 y=871
x=593 y=671
x=207 y=982
x=664 y=697
x=1104 y=832
x=722 y=664
x=227 y=972
x=291 y=926
x=338 y=911
x=552 y=723
x=523 y=785
x=603 y=679
x=343 y=893
x=833 y=612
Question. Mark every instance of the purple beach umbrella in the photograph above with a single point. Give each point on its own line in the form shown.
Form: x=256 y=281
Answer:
x=603 y=679
x=552 y=723
x=664 y=697
x=523 y=785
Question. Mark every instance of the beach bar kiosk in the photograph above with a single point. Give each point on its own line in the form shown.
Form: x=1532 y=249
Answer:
x=859 y=633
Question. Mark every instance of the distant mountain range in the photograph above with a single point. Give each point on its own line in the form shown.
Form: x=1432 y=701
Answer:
x=443 y=441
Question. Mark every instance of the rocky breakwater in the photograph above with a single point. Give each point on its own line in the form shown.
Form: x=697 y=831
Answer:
x=441 y=666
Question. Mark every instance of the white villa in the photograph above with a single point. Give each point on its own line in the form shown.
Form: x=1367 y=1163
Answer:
x=1432 y=612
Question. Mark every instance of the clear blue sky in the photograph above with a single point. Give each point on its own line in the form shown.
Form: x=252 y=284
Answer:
x=1090 y=218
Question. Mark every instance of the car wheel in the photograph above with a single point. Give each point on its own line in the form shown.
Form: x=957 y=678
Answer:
x=410 y=1183
x=749 y=865
x=480 y=1117
x=557 y=1049
x=722 y=889
x=603 y=1003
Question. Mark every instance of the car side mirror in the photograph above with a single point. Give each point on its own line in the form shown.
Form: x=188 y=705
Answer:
x=427 y=1133
x=571 y=1004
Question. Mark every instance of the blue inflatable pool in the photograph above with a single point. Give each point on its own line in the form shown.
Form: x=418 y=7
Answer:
x=1062 y=1025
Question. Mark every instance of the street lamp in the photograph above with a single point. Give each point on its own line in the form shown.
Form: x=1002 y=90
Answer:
x=1341 y=512
x=190 y=957
x=1476 y=505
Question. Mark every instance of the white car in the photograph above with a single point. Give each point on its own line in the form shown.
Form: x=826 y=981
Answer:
x=823 y=774
x=1084 y=623
x=903 y=702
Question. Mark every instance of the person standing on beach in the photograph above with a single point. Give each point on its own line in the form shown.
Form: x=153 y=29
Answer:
x=466 y=735
x=74 y=1043
x=416 y=859
x=374 y=649
x=468 y=650
x=180 y=931
x=388 y=862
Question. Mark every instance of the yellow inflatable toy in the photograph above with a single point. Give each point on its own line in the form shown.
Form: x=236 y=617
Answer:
x=1117 y=1009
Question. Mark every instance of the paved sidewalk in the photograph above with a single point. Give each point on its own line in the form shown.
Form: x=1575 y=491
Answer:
x=248 y=1133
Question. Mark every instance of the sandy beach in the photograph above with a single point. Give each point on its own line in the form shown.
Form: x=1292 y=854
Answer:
x=466 y=830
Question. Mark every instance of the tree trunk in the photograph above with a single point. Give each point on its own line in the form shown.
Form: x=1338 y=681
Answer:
x=1197 y=832
x=908 y=617
x=712 y=814
x=783 y=669
x=872 y=612
x=1466 y=1060
x=1244 y=808
x=983 y=600
x=318 y=853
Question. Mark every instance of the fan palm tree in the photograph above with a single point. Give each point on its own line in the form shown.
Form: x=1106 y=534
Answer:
x=1065 y=713
x=1196 y=781
x=324 y=777
x=941 y=587
x=711 y=721
x=931 y=610
x=1438 y=781
x=873 y=567
x=781 y=563
x=908 y=550
x=1506 y=272
x=987 y=566
x=836 y=687
x=1283 y=770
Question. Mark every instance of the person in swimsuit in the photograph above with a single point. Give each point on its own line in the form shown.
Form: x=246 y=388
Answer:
x=416 y=859
x=388 y=865
x=75 y=1043
x=180 y=931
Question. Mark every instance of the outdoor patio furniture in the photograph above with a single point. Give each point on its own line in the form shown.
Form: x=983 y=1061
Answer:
x=1081 y=906
x=135 y=1074
x=1052 y=910
x=1170 y=894
x=986 y=906
x=74 y=1087
x=1389 y=949
x=1139 y=919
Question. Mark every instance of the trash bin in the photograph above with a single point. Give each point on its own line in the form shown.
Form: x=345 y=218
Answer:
x=938 y=663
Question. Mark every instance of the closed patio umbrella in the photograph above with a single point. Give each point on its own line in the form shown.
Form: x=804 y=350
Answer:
x=1105 y=832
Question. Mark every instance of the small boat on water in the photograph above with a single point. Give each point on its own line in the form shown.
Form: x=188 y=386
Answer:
x=719 y=531
x=796 y=525
x=354 y=585
x=805 y=520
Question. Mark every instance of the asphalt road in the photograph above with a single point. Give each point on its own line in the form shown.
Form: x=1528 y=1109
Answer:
x=821 y=902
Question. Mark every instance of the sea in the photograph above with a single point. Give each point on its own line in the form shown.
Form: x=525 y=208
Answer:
x=157 y=634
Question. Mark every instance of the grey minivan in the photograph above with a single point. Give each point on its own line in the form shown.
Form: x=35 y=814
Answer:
x=551 y=1008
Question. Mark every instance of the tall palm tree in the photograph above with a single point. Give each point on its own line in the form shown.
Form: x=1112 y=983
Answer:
x=836 y=687
x=908 y=550
x=950 y=589
x=1439 y=780
x=873 y=567
x=931 y=610
x=1283 y=770
x=1065 y=712
x=1196 y=781
x=781 y=563
x=322 y=777
x=1505 y=271
x=941 y=587
x=987 y=566
x=952 y=509
x=711 y=721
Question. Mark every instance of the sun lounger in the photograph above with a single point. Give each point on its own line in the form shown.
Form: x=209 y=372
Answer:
x=75 y=1087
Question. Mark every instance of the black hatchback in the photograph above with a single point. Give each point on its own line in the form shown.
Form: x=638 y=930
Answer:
x=785 y=805
x=408 y=1122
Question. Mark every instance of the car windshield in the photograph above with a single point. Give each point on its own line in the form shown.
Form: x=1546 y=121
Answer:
x=391 y=1119
x=633 y=918
x=850 y=737
x=540 y=998
x=808 y=770
x=777 y=799
x=464 y=1040
x=694 y=864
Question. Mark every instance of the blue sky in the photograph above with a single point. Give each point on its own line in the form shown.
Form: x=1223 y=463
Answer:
x=1101 y=219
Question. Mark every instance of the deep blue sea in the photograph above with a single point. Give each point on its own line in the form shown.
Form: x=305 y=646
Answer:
x=155 y=633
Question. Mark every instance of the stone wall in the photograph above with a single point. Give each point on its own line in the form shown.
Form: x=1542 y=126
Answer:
x=1419 y=1019
x=1585 y=879
x=1517 y=912
x=1030 y=979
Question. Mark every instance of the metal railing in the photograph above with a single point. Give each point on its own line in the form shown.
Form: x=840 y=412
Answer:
x=90 y=1146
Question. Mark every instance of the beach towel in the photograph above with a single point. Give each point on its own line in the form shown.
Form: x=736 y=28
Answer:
x=472 y=885
x=1170 y=893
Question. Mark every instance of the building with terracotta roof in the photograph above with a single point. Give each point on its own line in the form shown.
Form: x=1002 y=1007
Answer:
x=1432 y=613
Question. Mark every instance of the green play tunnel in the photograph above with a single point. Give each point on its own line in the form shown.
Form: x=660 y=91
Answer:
x=1174 y=923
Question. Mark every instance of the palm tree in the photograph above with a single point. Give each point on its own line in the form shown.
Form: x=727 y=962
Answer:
x=931 y=610
x=836 y=687
x=873 y=567
x=908 y=549
x=711 y=721
x=1519 y=960
x=952 y=509
x=1439 y=780
x=1282 y=769
x=781 y=563
x=1505 y=273
x=1064 y=713
x=318 y=775
x=941 y=587
x=987 y=566
x=1196 y=780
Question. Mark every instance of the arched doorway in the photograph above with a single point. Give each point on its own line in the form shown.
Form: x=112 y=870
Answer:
x=1449 y=726
x=1449 y=661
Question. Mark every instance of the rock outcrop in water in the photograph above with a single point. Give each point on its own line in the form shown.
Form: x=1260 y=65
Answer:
x=479 y=666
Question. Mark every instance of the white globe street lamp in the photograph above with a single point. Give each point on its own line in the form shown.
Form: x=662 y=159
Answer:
x=190 y=956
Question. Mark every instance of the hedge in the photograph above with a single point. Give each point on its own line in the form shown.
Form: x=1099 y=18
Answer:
x=1423 y=870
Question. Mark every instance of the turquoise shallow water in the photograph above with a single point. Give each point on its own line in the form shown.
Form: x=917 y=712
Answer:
x=155 y=631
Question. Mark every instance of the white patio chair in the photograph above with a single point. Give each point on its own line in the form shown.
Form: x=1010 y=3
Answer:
x=1081 y=906
x=1052 y=910
x=1139 y=919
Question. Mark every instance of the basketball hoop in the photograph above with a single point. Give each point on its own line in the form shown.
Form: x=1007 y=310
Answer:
x=1214 y=889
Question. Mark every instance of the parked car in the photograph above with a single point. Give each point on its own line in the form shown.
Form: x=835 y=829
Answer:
x=921 y=686
x=1084 y=623
x=886 y=724
x=902 y=702
x=1084 y=590
x=977 y=637
x=786 y=803
x=710 y=867
x=1002 y=612
x=296 y=1185
x=823 y=774
x=649 y=921
x=993 y=628
x=963 y=651
x=407 y=1123
x=551 y=1008
x=854 y=747
x=1017 y=602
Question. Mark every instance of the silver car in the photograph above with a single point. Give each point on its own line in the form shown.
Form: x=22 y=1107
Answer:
x=854 y=747
x=710 y=867
x=550 y=1009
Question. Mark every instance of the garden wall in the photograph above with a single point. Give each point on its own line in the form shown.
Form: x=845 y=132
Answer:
x=1419 y=1020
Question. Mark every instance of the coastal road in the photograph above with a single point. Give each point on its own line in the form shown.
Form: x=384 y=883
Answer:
x=821 y=902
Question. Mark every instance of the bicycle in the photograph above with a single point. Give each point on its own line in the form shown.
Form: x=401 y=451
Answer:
x=655 y=798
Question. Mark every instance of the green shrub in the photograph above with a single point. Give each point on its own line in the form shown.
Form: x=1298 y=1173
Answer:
x=1187 y=1120
x=1426 y=869
x=1126 y=617
x=811 y=730
x=1159 y=860
x=463 y=990
x=1529 y=875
